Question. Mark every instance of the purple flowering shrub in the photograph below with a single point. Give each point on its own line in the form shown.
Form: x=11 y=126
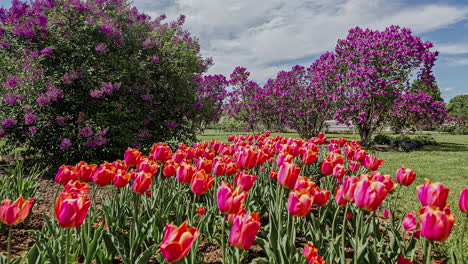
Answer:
x=82 y=80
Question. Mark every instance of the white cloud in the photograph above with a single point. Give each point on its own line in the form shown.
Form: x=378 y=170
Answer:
x=447 y=89
x=457 y=61
x=268 y=35
x=452 y=48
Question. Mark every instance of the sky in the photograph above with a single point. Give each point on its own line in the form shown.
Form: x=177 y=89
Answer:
x=266 y=36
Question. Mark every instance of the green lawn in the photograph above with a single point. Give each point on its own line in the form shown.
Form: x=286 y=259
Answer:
x=446 y=162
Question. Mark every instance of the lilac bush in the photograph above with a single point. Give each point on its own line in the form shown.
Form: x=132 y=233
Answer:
x=85 y=79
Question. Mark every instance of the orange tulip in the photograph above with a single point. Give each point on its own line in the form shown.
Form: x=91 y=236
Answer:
x=201 y=210
x=104 y=174
x=85 y=172
x=244 y=229
x=204 y=164
x=122 y=178
x=304 y=182
x=201 y=182
x=309 y=156
x=372 y=163
x=71 y=210
x=76 y=187
x=288 y=174
x=170 y=168
x=15 y=213
x=148 y=166
x=300 y=202
x=178 y=241
x=65 y=174
x=309 y=251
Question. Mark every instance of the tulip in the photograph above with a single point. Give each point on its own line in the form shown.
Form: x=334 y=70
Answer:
x=372 y=163
x=246 y=159
x=148 y=166
x=349 y=151
x=359 y=155
x=170 y=168
x=409 y=222
x=119 y=165
x=317 y=260
x=85 y=172
x=15 y=213
x=326 y=167
x=405 y=176
x=179 y=156
x=304 y=183
x=273 y=174
x=300 y=202
x=334 y=148
x=71 y=210
x=354 y=165
x=288 y=174
x=309 y=251
x=230 y=217
x=230 y=200
x=339 y=198
x=245 y=180
x=132 y=156
x=385 y=179
x=65 y=174
x=177 y=241
x=283 y=158
x=76 y=187
x=231 y=168
x=104 y=174
x=122 y=178
x=369 y=194
x=403 y=260
x=339 y=171
x=201 y=210
x=185 y=172
x=463 y=202
x=204 y=164
x=160 y=152
x=349 y=188
x=244 y=229
x=436 y=224
x=432 y=194
x=201 y=182
x=141 y=183
x=309 y=156
x=320 y=196
x=219 y=167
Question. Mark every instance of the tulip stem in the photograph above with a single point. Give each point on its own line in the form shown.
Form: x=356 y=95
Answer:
x=222 y=240
x=357 y=236
x=9 y=244
x=428 y=252
x=334 y=222
x=343 y=233
x=67 y=246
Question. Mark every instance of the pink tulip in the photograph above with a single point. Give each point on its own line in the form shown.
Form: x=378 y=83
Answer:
x=245 y=180
x=185 y=172
x=436 y=224
x=230 y=200
x=244 y=229
x=201 y=182
x=288 y=174
x=405 y=176
x=432 y=194
x=409 y=222
x=142 y=182
x=372 y=163
x=300 y=202
x=463 y=202
x=369 y=194
x=178 y=241
x=15 y=213
x=71 y=209
x=132 y=156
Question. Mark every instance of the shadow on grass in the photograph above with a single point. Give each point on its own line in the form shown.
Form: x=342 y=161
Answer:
x=447 y=147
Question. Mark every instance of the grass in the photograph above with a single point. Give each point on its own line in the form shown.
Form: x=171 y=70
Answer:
x=446 y=162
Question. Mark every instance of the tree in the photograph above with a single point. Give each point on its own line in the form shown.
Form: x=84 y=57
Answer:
x=418 y=85
x=458 y=106
x=375 y=68
x=211 y=92
x=87 y=79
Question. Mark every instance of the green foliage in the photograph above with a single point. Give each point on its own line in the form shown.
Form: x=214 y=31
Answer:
x=458 y=106
x=419 y=85
x=405 y=143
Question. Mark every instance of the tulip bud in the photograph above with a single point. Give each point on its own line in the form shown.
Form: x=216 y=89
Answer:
x=405 y=176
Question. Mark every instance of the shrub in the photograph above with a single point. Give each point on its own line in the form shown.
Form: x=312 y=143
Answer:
x=84 y=80
x=405 y=143
x=382 y=139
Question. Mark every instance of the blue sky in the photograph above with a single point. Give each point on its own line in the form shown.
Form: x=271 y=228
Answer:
x=266 y=36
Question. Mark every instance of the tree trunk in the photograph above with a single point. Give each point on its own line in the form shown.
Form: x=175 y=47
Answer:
x=366 y=136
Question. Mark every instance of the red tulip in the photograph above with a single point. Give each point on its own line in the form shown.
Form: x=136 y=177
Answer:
x=122 y=178
x=201 y=210
x=354 y=165
x=160 y=152
x=288 y=174
x=185 y=172
x=405 y=176
x=339 y=197
x=327 y=167
x=230 y=200
x=201 y=182
x=119 y=165
x=309 y=156
x=132 y=156
x=372 y=163
x=204 y=164
x=246 y=158
x=339 y=171
x=76 y=187
x=170 y=168
x=148 y=166
x=403 y=260
x=244 y=229
x=231 y=168
x=230 y=217
x=104 y=174
x=219 y=167
x=245 y=180
x=179 y=156
x=436 y=224
x=71 y=210
x=321 y=196
x=359 y=155
x=300 y=202
x=432 y=194
x=65 y=174
x=15 y=213
x=142 y=182
x=282 y=158
x=273 y=174
x=177 y=241
x=85 y=172
x=409 y=222
x=309 y=251
x=463 y=202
